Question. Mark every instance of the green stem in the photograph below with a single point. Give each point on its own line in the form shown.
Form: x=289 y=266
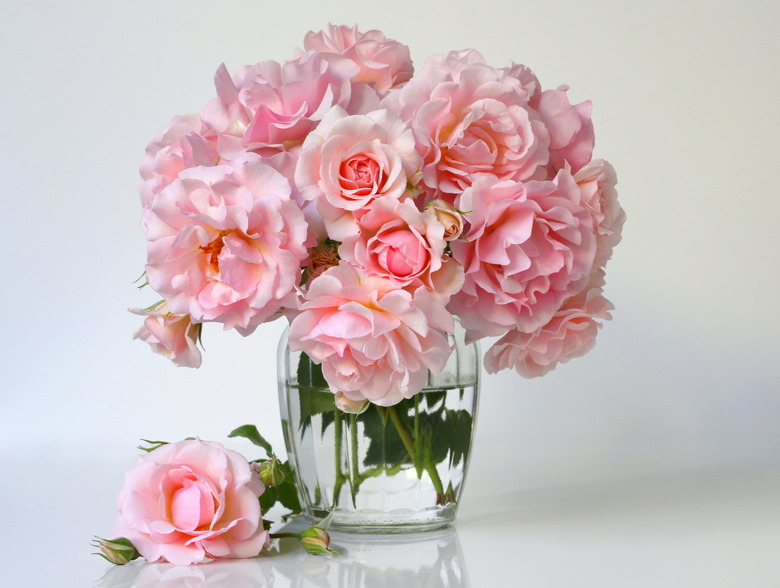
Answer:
x=409 y=445
x=284 y=535
x=355 y=480
x=339 y=439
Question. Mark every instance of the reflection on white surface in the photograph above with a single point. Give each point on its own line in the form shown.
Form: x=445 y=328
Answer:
x=426 y=559
x=429 y=560
x=247 y=573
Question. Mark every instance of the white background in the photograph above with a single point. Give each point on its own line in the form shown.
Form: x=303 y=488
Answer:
x=653 y=461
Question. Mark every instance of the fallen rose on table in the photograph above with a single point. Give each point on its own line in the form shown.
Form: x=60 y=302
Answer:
x=194 y=501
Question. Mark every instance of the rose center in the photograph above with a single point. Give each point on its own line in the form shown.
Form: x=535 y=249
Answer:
x=193 y=505
x=402 y=254
x=361 y=175
x=213 y=249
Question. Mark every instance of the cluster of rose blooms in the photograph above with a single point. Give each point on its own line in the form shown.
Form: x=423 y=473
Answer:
x=371 y=204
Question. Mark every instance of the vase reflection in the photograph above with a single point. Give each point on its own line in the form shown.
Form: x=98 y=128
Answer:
x=431 y=560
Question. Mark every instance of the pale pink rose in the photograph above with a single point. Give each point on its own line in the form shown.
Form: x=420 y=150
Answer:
x=271 y=107
x=470 y=118
x=528 y=248
x=570 y=127
x=173 y=335
x=188 y=501
x=384 y=63
x=450 y=218
x=226 y=244
x=570 y=333
x=183 y=143
x=398 y=242
x=597 y=181
x=374 y=340
x=349 y=161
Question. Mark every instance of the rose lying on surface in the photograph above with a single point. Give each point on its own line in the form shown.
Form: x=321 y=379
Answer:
x=192 y=500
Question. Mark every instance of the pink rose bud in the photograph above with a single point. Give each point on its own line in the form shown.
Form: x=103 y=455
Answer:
x=448 y=216
x=271 y=472
x=315 y=541
x=118 y=551
x=350 y=406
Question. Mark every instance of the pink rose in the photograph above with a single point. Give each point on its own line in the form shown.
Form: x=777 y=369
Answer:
x=570 y=127
x=570 y=333
x=188 y=501
x=384 y=63
x=180 y=145
x=398 y=242
x=351 y=160
x=226 y=243
x=470 y=118
x=597 y=181
x=270 y=107
x=374 y=340
x=528 y=248
x=173 y=335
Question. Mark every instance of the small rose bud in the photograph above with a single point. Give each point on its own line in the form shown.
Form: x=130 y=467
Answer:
x=448 y=216
x=118 y=551
x=315 y=540
x=271 y=472
x=350 y=406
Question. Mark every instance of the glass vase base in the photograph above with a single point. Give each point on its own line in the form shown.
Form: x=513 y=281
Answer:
x=377 y=522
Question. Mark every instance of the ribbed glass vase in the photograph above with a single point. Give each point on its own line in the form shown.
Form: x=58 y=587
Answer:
x=389 y=469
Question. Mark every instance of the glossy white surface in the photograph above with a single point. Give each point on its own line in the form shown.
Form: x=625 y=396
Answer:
x=709 y=528
x=655 y=461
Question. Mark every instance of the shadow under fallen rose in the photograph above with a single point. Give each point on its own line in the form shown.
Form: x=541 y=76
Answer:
x=434 y=559
x=245 y=573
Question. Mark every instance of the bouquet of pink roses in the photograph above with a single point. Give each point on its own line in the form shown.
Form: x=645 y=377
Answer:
x=370 y=205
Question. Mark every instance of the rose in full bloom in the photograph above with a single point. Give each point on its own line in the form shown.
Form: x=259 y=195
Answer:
x=570 y=127
x=271 y=107
x=570 y=333
x=398 y=242
x=349 y=161
x=188 y=501
x=374 y=340
x=528 y=248
x=384 y=63
x=173 y=335
x=226 y=243
x=182 y=144
x=470 y=118
x=597 y=181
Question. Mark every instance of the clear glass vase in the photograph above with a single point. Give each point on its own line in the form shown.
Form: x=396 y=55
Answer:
x=389 y=469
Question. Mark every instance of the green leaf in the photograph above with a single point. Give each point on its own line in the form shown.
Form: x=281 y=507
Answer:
x=314 y=395
x=268 y=498
x=250 y=432
x=385 y=446
x=310 y=373
x=288 y=496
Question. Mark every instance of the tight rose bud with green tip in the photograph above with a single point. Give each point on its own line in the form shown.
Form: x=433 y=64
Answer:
x=118 y=551
x=316 y=541
x=271 y=472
